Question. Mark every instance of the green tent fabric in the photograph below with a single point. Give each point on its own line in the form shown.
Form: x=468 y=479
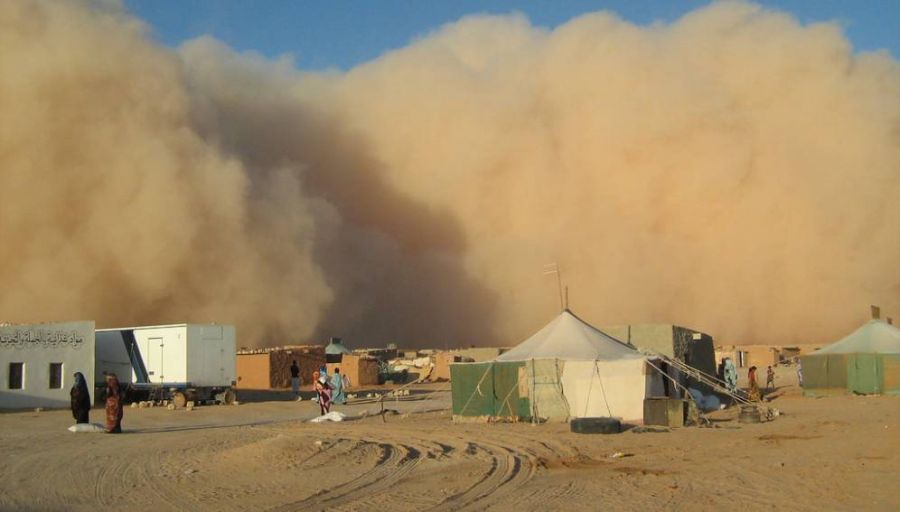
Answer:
x=545 y=378
x=490 y=389
x=867 y=361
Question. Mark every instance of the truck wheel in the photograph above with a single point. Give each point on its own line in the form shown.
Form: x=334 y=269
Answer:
x=179 y=399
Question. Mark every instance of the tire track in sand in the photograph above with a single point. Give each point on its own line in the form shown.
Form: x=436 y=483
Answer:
x=395 y=462
x=509 y=469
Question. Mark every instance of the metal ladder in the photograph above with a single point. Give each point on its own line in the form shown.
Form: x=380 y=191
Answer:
x=703 y=378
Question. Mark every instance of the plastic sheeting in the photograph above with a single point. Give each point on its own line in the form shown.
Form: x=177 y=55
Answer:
x=331 y=416
x=87 y=428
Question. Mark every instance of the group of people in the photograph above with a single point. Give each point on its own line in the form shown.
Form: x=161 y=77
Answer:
x=329 y=389
x=728 y=374
x=81 y=402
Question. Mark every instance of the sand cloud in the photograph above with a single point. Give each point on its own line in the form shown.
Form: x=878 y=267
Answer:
x=734 y=171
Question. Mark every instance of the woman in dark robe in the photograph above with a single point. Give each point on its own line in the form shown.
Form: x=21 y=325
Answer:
x=113 y=405
x=81 y=400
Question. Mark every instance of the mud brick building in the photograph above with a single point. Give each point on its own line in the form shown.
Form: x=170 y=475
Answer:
x=362 y=370
x=270 y=368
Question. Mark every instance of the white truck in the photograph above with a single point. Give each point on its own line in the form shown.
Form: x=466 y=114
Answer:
x=181 y=363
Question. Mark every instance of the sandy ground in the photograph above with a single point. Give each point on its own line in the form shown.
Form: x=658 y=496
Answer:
x=822 y=454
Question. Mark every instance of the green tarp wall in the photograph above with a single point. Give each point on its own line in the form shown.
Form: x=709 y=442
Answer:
x=830 y=374
x=545 y=388
x=489 y=389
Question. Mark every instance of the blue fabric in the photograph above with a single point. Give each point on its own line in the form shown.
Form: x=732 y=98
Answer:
x=706 y=403
x=337 y=384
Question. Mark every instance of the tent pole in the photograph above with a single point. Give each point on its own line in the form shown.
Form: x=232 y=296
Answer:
x=533 y=390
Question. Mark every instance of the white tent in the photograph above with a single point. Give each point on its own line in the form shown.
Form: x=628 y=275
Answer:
x=574 y=370
x=570 y=338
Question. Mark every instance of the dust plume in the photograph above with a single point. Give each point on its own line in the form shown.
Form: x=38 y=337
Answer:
x=734 y=171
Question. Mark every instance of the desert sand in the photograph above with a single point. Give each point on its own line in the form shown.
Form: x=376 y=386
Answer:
x=821 y=454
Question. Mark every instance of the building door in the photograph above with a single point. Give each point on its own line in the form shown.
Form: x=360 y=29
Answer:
x=222 y=365
x=155 y=360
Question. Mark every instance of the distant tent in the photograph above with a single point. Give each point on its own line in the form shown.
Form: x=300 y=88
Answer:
x=867 y=361
x=335 y=351
x=568 y=369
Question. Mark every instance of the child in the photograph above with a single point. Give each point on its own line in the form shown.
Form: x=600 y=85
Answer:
x=770 y=378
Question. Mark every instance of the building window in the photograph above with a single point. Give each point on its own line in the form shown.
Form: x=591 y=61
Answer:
x=56 y=375
x=16 y=375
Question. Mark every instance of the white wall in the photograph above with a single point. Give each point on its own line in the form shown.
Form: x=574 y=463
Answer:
x=38 y=345
x=164 y=350
x=211 y=357
x=606 y=388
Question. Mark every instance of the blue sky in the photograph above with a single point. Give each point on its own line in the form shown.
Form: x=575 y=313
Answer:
x=342 y=34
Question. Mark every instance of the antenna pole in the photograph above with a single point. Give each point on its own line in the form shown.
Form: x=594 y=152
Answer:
x=559 y=285
x=553 y=268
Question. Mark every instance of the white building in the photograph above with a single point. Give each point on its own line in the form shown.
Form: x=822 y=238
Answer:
x=38 y=363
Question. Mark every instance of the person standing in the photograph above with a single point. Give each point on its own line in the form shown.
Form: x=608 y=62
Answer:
x=114 y=408
x=770 y=378
x=731 y=375
x=81 y=400
x=337 y=384
x=295 y=378
x=799 y=373
x=323 y=391
x=754 y=386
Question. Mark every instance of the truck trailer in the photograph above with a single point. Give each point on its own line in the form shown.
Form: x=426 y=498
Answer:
x=180 y=363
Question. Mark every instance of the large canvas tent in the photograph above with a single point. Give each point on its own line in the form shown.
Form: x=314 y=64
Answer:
x=867 y=361
x=568 y=369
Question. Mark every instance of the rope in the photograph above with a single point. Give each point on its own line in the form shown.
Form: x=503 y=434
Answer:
x=602 y=389
x=560 y=388
x=590 y=388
